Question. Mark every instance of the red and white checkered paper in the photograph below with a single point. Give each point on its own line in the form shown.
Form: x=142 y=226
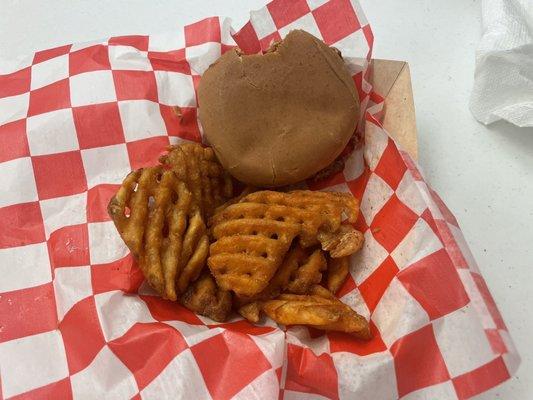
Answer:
x=76 y=320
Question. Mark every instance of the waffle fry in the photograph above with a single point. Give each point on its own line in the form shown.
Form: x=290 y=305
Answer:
x=160 y=213
x=337 y=272
x=308 y=271
x=321 y=291
x=245 y=192
x=253 y=235
x=198 y=167
x=300 y=271
x=327 y=313
x=195 y=249
x=313 y=211
x=153 y=213
x=247 y=252
x=251 y=311
x=206 y=298
x=347 y=240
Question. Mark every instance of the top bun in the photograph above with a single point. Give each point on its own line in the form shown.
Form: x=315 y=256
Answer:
x=278 y=118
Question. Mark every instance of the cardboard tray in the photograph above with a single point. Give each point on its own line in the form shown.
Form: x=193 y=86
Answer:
x=392 y=80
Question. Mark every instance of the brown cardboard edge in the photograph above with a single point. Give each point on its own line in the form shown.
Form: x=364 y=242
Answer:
x=392 y=80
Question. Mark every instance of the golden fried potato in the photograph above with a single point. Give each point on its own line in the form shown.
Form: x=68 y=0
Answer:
x=129 y=207
x=153 y=213
x=337 y=272
x=275 y=285
x=327 y=313
x=313 y=211
x=321 y=291
x=198 y=167
x=245 y=192
x=251 y=308
x=248 y=251
x=308 y=271
x=265 y=244
x=299 y=271
x=344 y=242
x=204 y=297
x=253 y=236
x=194 y=253
x=251 y=311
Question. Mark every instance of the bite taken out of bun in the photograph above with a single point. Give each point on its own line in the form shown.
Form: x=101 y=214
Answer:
x=277 y=118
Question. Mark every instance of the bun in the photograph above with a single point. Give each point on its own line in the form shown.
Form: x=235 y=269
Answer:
x=278 y=118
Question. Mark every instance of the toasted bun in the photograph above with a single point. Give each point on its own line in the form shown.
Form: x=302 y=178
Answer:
x=277 y=118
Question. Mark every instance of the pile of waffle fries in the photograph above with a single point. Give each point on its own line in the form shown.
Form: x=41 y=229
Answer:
x=280 y=253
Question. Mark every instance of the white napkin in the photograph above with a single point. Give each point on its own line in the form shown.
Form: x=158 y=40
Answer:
x=503 y=85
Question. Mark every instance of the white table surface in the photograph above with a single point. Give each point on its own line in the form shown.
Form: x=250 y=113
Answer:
x=485 y=175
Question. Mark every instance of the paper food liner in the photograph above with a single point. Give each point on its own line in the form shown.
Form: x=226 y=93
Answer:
x=76 y=320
